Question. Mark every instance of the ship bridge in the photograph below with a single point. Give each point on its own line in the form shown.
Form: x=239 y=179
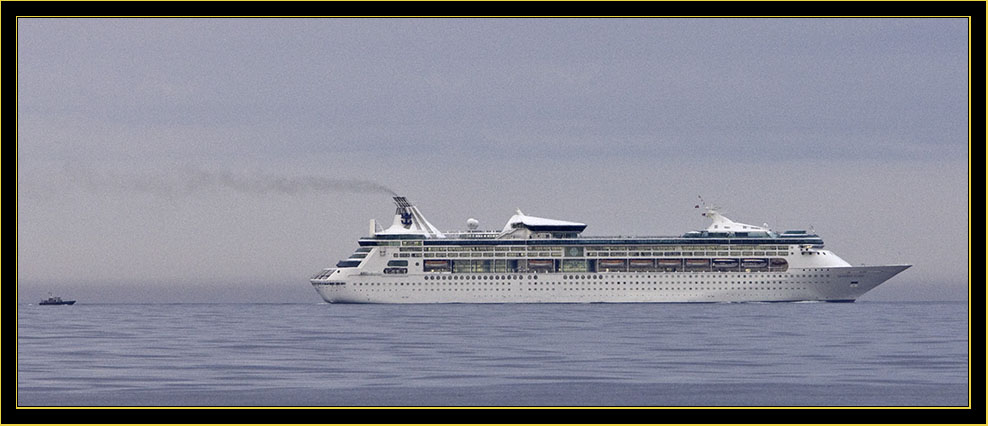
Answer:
x=723 y=227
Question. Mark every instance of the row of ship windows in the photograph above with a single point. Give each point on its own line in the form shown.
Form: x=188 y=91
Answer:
x=666 y=288
x=596 y=248
x=504 y=287
x=427 y=287
x=600 y=277
x=554 y=285
x=600 y=254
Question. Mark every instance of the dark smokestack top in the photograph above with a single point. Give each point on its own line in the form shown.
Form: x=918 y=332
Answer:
x=402 y=202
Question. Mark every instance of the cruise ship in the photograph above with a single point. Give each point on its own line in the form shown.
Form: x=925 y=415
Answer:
x=540 y=260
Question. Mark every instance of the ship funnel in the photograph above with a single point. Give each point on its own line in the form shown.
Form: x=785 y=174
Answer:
x=404 y=211
x=409 y=220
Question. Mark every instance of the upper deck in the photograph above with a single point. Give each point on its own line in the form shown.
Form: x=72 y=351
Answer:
x=523 y=230
x=808 y=239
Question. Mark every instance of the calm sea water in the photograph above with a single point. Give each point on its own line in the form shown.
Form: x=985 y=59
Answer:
x=780 y=354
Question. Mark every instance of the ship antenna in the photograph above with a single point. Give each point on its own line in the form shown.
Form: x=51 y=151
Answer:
x=708 y=211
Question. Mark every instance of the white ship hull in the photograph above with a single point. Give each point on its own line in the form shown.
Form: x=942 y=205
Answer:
x=839 y=284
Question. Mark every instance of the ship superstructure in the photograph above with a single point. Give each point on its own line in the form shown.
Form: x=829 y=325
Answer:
x=540 y=260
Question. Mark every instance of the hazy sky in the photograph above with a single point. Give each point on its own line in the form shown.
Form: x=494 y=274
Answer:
x=183 y=160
